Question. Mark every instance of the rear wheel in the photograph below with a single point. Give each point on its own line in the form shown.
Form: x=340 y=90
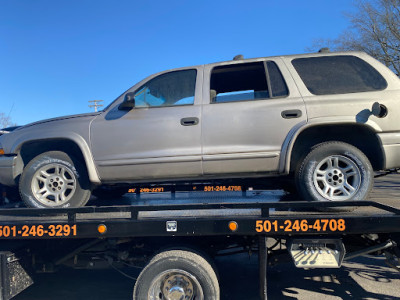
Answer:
x=177 y=274
x=54 y=179
x=335 y=171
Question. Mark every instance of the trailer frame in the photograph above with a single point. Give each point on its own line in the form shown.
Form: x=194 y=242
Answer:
x=204 y=220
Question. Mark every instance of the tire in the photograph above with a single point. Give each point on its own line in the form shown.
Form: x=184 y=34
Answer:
x=54 y=179
x=335 y=171
x=177 y=273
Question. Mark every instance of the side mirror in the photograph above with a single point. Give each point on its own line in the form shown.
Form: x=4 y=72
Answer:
x=129 y=102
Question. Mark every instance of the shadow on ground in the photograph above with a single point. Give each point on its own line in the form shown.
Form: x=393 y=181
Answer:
x=365 y=278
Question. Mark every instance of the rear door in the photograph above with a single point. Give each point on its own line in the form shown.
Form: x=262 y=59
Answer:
x=249 y=109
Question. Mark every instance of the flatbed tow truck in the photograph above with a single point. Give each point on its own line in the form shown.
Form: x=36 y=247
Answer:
x=174 y=243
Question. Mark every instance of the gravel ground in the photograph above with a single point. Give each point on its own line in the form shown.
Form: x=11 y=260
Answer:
x=363 y=278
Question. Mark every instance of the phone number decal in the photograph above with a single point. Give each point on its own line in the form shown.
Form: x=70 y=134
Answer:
x=318 y=225
x=222 y=188
x=147 y=190
x=38 y=231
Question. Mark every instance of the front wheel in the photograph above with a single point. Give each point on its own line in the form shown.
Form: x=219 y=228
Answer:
x=54 y=179
x=335 y=171
x=177 y=274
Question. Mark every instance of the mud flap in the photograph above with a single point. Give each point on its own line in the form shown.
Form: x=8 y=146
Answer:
x=13 y=278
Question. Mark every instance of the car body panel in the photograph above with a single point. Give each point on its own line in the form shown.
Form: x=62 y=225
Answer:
x=351 y=108
x=73 y=128
x=247 y=136
x=231 y=140
x=149 y=142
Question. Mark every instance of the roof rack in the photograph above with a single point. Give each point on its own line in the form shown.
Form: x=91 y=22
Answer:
x=324 y=50
x=238 y=57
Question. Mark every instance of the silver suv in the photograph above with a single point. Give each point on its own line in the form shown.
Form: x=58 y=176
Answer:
x=326 y=120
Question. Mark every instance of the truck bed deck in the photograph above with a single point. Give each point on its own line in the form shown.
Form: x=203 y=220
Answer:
x=209 y=213
x=256 y=214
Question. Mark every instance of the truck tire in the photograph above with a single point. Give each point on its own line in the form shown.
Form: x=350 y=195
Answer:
x=177 y=274
x=54 y=179
x=335 y=171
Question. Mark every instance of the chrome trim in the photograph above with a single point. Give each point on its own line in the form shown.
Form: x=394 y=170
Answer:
x=152 y=160
x=234 y=156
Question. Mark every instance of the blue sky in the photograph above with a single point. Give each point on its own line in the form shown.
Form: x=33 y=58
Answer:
x=57 y=55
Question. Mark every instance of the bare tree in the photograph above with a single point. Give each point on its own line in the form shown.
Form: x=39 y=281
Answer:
x=375 y=29
x=5 y=121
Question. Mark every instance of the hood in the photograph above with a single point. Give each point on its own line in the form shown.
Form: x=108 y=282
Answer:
x=8 y=129
x=93 y=114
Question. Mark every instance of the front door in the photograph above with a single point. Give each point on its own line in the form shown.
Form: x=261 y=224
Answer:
x=159 y=139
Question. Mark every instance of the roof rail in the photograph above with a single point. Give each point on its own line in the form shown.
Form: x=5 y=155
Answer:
x=324 y=50
x=238 y=57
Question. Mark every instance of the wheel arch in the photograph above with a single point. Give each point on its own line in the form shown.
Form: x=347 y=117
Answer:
x=362 y=136
x=76 y=147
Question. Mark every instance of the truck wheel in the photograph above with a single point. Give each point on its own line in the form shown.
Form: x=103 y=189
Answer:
x=177 y=274
x=54 y=179
x=335 y=171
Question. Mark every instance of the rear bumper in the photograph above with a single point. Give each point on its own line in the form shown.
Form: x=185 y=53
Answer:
x=8 y=170
x=391 y=148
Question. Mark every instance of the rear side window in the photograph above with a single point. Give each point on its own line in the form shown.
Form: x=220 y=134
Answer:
x=247 y=81
x=338 y=75
x=239 y=82
x=278 y=85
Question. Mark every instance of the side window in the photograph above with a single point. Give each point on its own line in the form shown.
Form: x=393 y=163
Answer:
x=238 y=82
x=278 y=85
x=247 y=81
x=338 y=75
x=170 y=89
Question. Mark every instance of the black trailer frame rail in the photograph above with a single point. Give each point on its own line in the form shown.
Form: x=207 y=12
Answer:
x=127 y=221
x=272 y=219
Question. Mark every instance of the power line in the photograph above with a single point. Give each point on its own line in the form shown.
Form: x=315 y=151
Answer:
x=12 y=106
x=95 y=104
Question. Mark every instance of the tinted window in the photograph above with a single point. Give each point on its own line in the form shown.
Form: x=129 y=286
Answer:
x=278 y=85
x=174 y=88
x=238 y=82
x=338 y=75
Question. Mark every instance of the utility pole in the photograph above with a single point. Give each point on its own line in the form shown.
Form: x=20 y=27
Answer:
x=95 y=104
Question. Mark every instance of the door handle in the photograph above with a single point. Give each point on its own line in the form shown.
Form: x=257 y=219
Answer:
x=189 y=121
x=291 y=114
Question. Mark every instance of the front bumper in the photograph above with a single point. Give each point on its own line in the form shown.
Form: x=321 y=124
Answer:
x=8 y=170
x=391 y=148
